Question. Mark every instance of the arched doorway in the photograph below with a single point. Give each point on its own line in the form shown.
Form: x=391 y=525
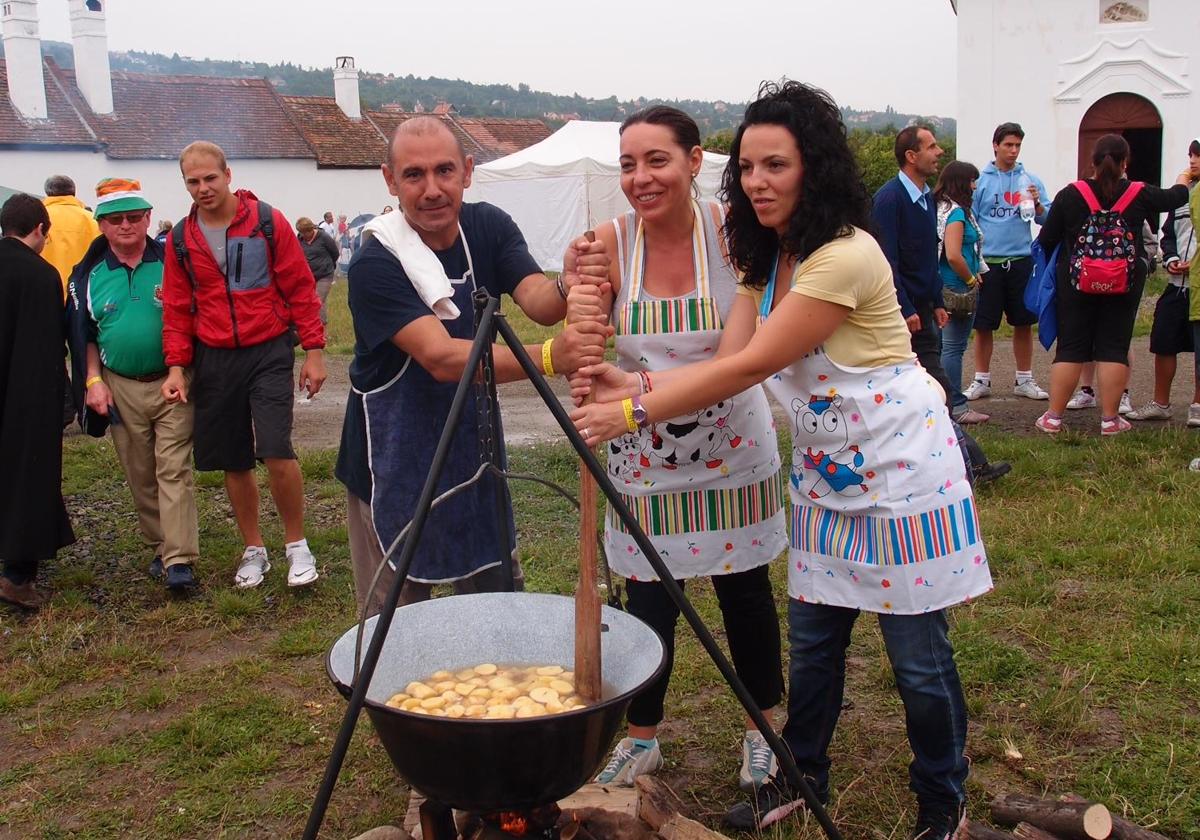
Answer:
x=1137 y=120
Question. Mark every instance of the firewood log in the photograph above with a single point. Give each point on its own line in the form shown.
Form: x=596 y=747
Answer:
x=1025 y=831
x=979 y=831
x=679 y=827
x=657 y=803
x=1069 y=820
x=1123 y=829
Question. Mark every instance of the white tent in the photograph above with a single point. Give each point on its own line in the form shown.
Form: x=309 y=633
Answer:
x=566 y=184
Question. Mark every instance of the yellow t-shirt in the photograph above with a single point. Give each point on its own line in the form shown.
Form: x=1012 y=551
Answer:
x=852 y=271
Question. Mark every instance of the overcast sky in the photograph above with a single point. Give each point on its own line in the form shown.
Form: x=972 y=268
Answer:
x=652 y=48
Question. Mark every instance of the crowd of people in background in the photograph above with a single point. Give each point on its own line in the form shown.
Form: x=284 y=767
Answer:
x=855 y=312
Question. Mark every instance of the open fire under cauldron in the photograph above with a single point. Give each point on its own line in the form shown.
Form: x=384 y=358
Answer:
x=494 y=766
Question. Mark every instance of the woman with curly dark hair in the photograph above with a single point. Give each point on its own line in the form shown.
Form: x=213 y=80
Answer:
x=883 y=518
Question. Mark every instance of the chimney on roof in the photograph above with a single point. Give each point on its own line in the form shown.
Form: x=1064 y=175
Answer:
x=23 y=58
x=93 y=76
x=345 y=86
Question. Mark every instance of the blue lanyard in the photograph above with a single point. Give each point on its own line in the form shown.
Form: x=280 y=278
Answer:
x=764 y=308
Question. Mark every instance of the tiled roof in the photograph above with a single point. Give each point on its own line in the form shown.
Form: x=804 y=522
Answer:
x=337 y=139
x=388 y=120
x=63 y=126
x=156 y=116
x=503 y=136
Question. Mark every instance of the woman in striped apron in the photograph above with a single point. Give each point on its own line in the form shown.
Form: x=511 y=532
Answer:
x=883 y=519
x=706 y=486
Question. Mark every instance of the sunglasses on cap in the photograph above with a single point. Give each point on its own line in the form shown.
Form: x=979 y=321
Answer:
x=118 y=219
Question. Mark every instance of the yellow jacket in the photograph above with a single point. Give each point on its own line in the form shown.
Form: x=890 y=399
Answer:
x=72 y=230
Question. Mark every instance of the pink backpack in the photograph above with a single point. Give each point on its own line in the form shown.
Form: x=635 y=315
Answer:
x=1104 y=253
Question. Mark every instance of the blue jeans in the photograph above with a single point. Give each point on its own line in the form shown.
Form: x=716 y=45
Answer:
x=955 y=336
x=923 y=664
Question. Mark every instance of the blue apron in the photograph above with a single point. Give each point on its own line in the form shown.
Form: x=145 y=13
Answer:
x=404 y=419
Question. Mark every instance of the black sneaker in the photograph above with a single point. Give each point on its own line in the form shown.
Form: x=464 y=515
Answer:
x=991 y=471
x=940 y=821
x=180 y=578
x=772 y=802
x=156 y=567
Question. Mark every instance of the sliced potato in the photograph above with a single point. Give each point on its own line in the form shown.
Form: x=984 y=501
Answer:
x=562 y=687
x=500 y=713
x=549 y=670
x=441 y=675
x=456 y=711
x=543 y=694
x=464 y=688
x=531 y=710
x=465 y=674
x=419 y=690
x=485 y=670
x=410 y=704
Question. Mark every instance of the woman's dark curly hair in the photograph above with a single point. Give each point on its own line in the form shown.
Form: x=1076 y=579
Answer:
x=833 y=199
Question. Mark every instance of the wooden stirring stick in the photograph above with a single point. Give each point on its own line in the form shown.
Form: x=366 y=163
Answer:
x=587 y=595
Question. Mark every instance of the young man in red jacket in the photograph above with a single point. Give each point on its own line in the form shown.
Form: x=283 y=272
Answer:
x=234 y=292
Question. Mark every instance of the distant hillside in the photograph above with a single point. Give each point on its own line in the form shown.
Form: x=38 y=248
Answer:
x=413 y=93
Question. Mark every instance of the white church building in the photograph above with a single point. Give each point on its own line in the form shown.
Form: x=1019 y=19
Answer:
x=1070 y=71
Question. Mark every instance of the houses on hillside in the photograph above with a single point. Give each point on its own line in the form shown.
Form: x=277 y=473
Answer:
x=305 y=154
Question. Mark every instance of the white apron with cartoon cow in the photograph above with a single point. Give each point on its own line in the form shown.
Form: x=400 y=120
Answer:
x=883 y=518
x=707 y=488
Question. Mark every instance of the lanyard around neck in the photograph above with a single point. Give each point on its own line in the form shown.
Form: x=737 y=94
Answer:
x=764 y=308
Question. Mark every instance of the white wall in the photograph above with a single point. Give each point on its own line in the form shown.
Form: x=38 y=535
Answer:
x=1043 y=64
x=296 y=187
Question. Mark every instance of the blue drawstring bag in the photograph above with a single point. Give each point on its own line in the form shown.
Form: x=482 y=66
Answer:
x=1039 y=294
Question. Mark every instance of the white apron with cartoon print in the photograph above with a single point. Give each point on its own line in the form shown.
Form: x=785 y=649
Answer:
x=883 y=517
x=707 y=488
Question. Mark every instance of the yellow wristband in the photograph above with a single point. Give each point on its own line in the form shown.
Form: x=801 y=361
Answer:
x=92 y=380
x=627 y=407
x=547 y=359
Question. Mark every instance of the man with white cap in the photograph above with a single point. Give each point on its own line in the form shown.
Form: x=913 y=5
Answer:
x=115 y=315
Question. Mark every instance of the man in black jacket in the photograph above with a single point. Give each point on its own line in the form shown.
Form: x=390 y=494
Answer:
x=33 y=518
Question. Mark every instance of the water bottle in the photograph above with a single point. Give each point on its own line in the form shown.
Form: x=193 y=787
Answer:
x=1027 y=205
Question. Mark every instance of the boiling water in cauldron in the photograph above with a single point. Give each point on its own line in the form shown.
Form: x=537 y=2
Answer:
x=497 y=765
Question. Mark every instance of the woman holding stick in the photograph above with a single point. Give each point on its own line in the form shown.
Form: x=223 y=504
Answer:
x=705 y=484
x=883 y=518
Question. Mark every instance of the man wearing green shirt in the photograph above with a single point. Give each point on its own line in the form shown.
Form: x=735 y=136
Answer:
x=116 y=308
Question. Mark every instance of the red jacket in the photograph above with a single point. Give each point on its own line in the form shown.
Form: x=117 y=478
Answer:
x=254 y=301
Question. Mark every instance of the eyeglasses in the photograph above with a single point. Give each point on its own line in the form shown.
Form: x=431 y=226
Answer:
x=118 y=219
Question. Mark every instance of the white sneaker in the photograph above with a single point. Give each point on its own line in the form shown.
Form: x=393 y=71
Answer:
x=758 y=761
x=302 y=567
x=628 y=762
x=1030 y=390
x=1126 y=405
x=978 y=390
x=1194 y=415
x=1082 y=399
x=253 y=567
x=1150 y=411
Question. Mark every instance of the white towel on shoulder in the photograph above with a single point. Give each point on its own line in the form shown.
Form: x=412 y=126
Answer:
x=424 y=269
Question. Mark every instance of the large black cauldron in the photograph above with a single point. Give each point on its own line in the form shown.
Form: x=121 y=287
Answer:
x=492 y=765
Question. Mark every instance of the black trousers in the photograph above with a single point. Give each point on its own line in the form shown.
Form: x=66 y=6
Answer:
x=751 y=628
x=927 y=344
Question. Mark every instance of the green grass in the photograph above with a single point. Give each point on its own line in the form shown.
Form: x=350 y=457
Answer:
x=129 y=714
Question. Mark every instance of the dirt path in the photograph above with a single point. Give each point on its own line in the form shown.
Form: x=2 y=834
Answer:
x=526 y=419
